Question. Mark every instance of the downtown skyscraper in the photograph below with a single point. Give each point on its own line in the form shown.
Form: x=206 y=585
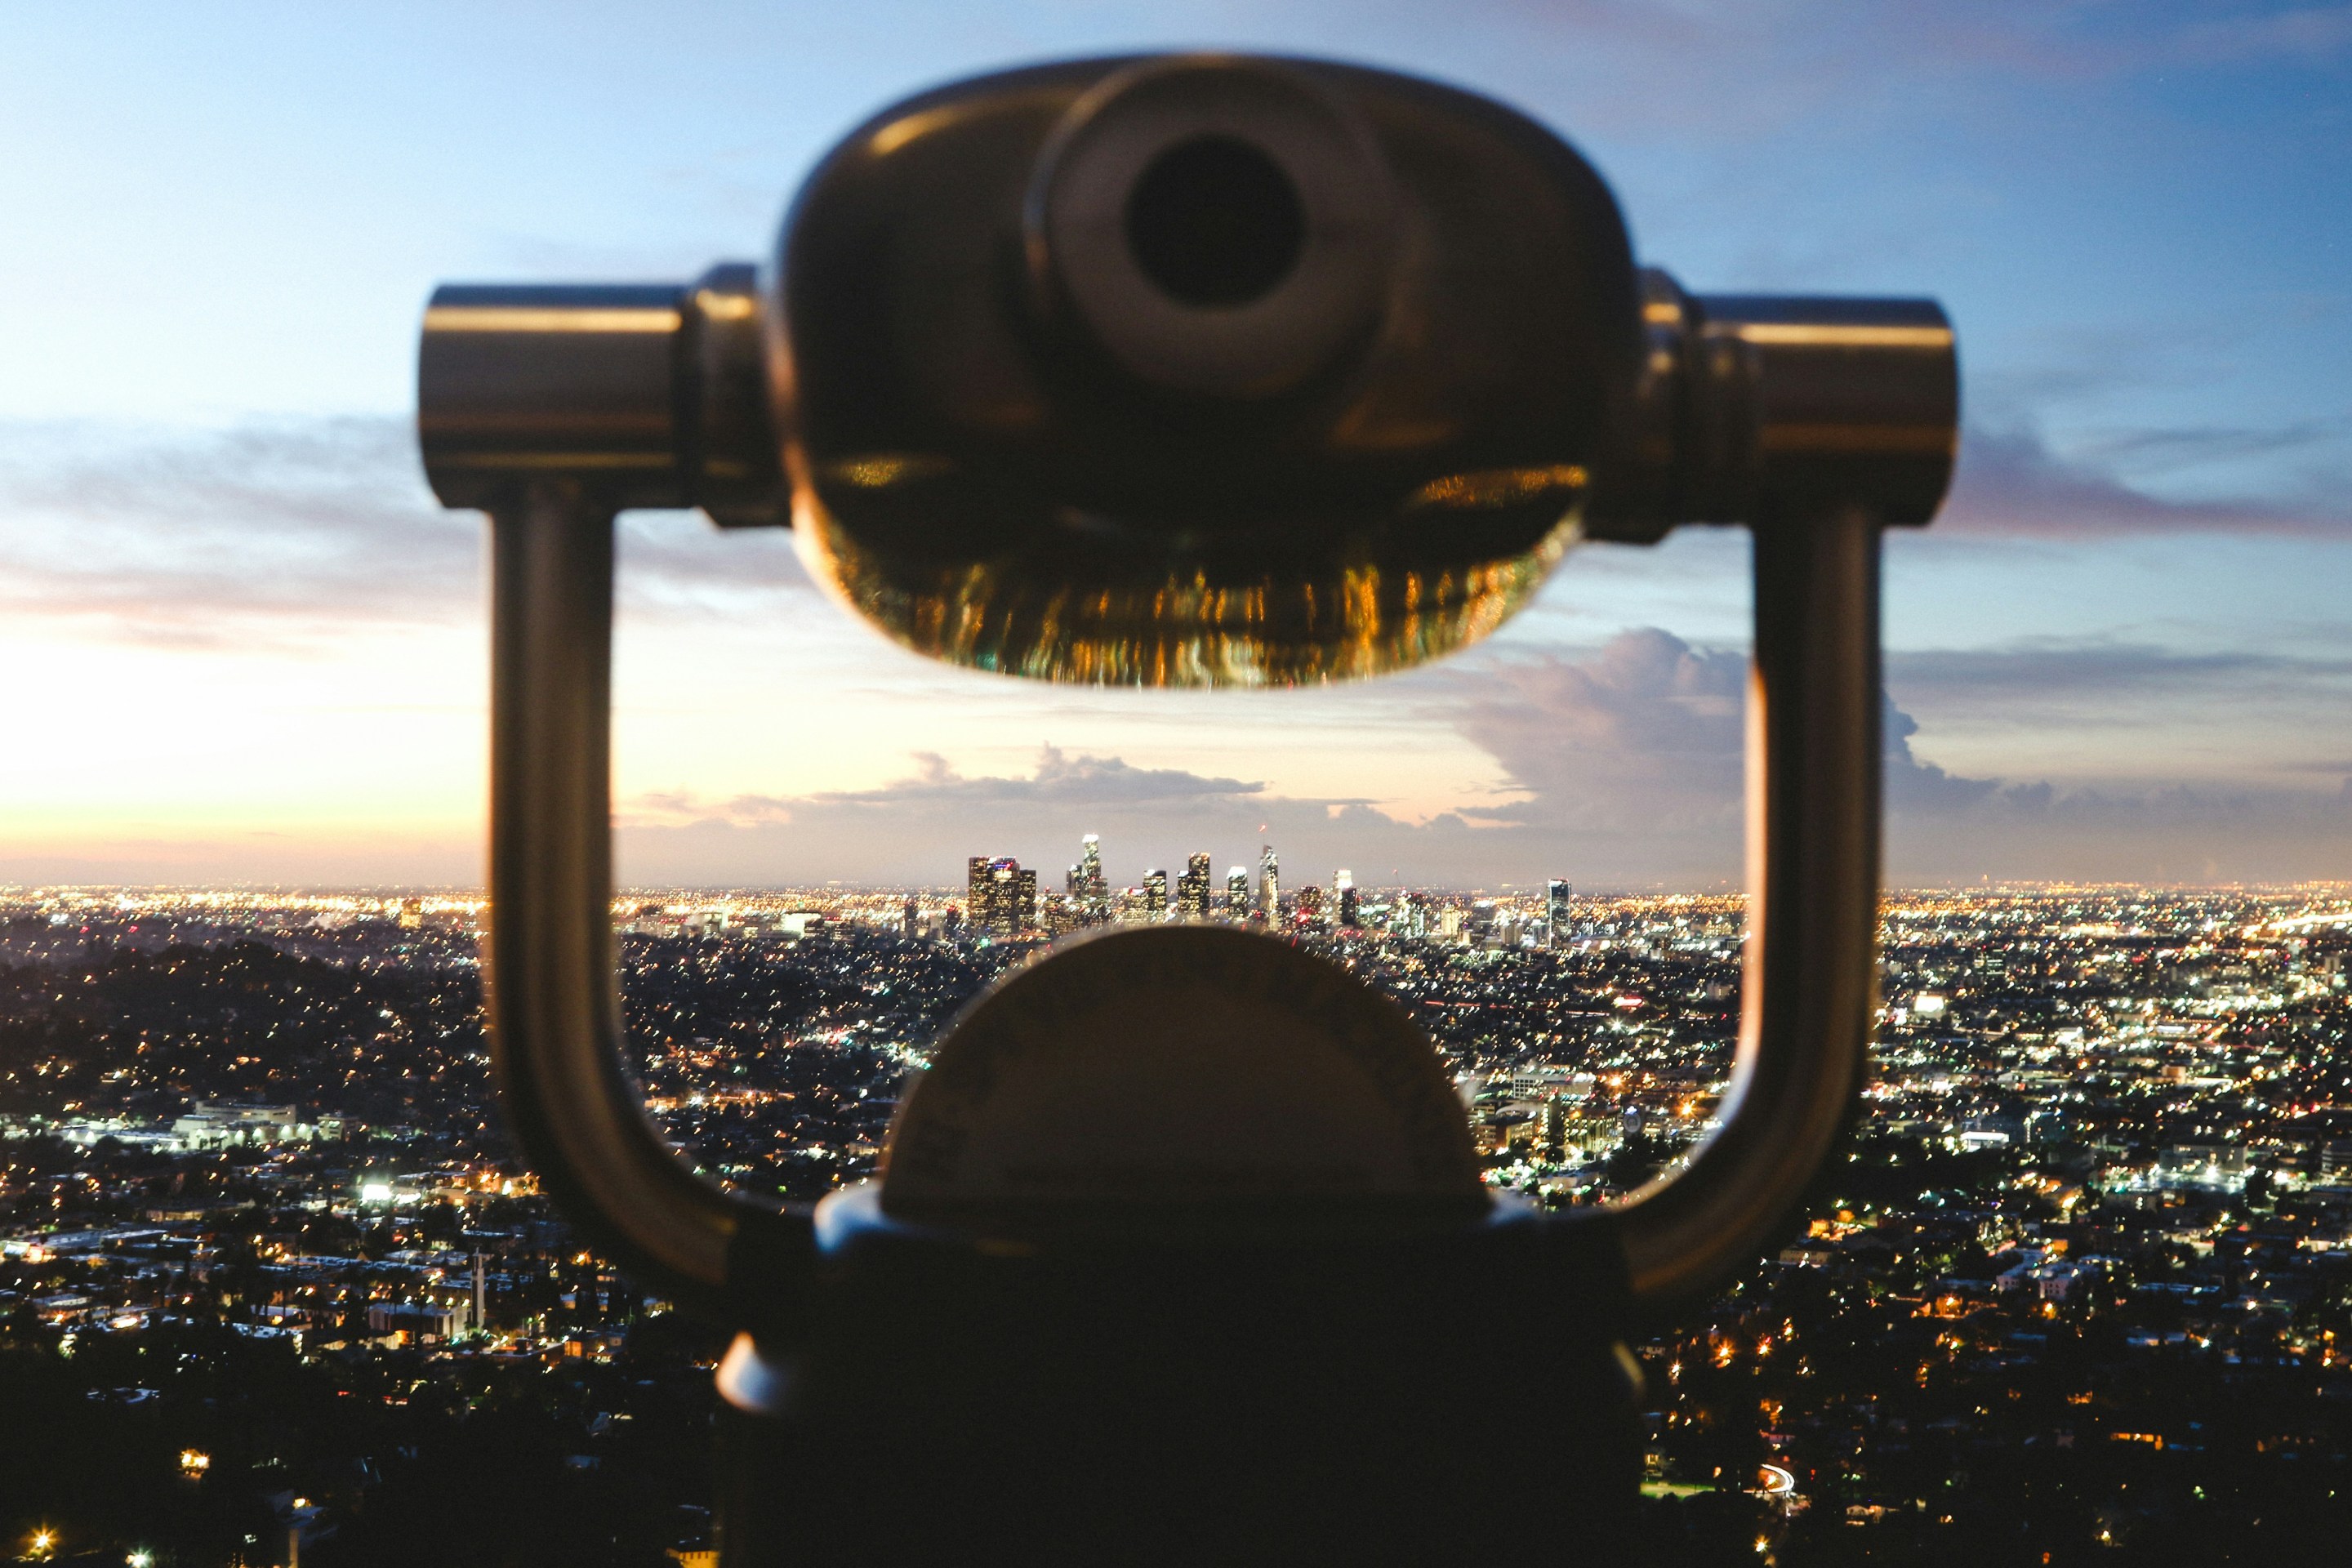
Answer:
x=1193 y=889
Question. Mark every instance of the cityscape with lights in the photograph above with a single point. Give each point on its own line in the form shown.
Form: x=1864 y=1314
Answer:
x=272 y=1274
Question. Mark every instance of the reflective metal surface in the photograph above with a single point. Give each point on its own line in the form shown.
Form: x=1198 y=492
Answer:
x=1184 y=1082
x=641 y=394
x=1746 y=402
x=554 y=1007
x=1019 y=442
x=1814 y=763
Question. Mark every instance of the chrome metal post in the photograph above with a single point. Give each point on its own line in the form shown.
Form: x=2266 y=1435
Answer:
x=555 y=1025
x=1814 y=763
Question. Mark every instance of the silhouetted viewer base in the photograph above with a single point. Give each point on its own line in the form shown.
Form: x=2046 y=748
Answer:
x=1314 y=1403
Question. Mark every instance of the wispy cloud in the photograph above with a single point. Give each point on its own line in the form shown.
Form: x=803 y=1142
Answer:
x=179 y=538
x=277 y=532
x=2045 y=680
x=2011 y=484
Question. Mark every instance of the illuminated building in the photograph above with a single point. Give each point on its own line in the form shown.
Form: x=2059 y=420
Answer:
x=1345 y=910
x=1269 y=884
x=1193 y=889
x=1155 y=896
x=1087 y=887
x=1237 y=900
x=1558 y=918
x=979 y=894
x=1310 y=905
x=1001 y=897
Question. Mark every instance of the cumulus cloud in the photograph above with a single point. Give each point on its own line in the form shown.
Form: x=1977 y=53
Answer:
x=1621 y=766
x=920 y=828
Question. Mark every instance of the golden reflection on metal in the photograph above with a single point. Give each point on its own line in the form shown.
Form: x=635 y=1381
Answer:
x=909 y=128
x=912 y=546
x=880 y=470
x=718 y=307
x=511 y=318
x=1843 y=335
x=1488 y=487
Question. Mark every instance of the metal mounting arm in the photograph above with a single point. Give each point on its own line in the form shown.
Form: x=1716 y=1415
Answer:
x=554 y=1007
x=1814 y=771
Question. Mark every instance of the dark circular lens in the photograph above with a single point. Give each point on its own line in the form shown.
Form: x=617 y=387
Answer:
x=1214 y=221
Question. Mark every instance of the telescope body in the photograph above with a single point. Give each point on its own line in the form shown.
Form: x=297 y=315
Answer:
x=1189 y=371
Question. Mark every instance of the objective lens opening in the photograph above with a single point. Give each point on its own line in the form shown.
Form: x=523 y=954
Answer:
x=1214 y=221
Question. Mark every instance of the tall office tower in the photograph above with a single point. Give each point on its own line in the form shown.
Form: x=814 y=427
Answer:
x=1092 y=892
x=1309 y=900
x=909 y=919
x=1557 y=917
x=1344 y=900
x=1269 y=884
x=1003 y=888
x=980 y=895
x=1155 y=895
x=1193 y=889
x=1002 y=897
x=1237 y=893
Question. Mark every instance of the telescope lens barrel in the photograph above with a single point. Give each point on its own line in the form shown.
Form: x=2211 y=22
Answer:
x=641 y=394
x=1215 y=222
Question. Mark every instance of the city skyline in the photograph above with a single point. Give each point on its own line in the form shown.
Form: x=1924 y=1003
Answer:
x=256 y=652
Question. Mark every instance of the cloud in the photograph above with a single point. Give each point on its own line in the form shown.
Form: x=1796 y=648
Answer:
x=2041 y=680
x=1621 y=766
x=919 y=829
x=2009 y=484
x=192 y=539
x=936 y=792
x=279 y=531
x=1649 y=736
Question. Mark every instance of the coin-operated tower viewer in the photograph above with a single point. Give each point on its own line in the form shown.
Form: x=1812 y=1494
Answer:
x=1194 y=370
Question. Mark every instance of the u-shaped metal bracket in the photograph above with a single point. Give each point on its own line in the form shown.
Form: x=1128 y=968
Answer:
x=1817 y=422
x=1813 y=831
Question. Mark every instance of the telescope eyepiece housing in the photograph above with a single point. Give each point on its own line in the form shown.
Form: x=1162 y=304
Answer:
x=1199 y=370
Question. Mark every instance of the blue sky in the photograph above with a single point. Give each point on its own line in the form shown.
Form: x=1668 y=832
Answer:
x=246 y=647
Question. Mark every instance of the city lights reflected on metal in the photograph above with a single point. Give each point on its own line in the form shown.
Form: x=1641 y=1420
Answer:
x=1115 y=606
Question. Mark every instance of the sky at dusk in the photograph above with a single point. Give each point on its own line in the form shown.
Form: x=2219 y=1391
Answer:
x=243 y=644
